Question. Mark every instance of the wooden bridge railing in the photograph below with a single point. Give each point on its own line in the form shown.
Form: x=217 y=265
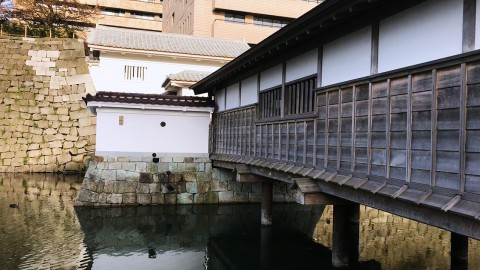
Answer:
x=420 y=125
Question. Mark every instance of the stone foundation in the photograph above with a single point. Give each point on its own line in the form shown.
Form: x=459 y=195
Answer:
x=111 y=181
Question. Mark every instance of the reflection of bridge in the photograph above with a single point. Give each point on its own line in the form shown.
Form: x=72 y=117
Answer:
x=384 y=128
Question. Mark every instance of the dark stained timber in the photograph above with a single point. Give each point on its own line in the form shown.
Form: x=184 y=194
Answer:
x=412 y=128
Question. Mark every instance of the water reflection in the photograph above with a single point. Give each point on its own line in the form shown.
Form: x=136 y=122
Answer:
x=194 y=237
x=46 y=232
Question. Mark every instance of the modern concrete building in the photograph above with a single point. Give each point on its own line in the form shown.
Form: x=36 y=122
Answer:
x=251 y=21
x=138 y=14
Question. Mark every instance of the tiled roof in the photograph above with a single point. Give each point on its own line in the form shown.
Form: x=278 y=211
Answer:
x=188 y=75
x=116 y=37
x=151 y=99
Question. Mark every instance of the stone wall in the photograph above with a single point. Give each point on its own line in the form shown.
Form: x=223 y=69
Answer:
x=174 y=180
x=44 y=123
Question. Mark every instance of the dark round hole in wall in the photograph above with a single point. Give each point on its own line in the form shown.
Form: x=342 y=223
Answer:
x=162 y=124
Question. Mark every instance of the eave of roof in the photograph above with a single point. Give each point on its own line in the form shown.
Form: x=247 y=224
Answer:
x=321 y=24
x=151 y=41
x=149 y=99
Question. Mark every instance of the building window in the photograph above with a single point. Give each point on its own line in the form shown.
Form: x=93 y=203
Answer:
x=113 y=12
x=278 y=23
x=234 y=18
x=142 y=15
x=134 y=73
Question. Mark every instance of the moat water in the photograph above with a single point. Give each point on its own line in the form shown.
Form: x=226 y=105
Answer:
x=47 y=232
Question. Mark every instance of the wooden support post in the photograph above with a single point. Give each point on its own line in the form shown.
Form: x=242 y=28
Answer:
x=458 y=252
x=267 y=202
x=345 y=236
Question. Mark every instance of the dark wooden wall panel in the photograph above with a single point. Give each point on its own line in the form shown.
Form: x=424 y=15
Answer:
x=423 y=127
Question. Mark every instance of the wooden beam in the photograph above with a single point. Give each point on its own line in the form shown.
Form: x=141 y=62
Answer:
x=249 y=178
x=469 y=17
x=307 y=185
x=319 y=198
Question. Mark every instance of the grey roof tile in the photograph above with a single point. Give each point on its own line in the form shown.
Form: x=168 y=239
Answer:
x=165 y=42
x=189 y=75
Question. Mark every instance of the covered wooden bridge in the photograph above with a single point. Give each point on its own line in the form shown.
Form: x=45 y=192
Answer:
x=361 y=102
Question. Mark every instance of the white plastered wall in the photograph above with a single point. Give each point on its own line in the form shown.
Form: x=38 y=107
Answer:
x=423 y=33
x=302 y=65
x=271 y=77
x=185 y=131
x=109 y=74
x=347 y=58
x=249 y=93
x=233 y=96
x=220 y=99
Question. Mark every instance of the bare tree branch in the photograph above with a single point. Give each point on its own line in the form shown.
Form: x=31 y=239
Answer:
x=69 y=14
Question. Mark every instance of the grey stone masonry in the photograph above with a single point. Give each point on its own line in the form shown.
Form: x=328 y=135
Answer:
x=44 y=124
x=111 y=181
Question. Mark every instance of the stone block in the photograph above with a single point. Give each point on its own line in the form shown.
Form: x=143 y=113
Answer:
x=64 y=158
x=114 y=165
x=145 y=178
x=108 y=187
x=121 y=175
x=170 y=198
x=225 y=196
x=144 y=199
x=203 y=187
x=86 y=131
x=143 y=188
x=132 y=176
x=128 y=166
x=255 y=197
x=79 y=79
x=246 y=187
x=158 y=198
x=257 y=188
x=140 y=167
x=176 y=177
x=109 y=175
x=129 y=198
x=240 y=197
x=218 y=186
x=156 y=188
x=234 y=186
x=87 y=196
x=123 y=159
x=173 y=167
x=114 y=198
x=198 y=198
x=177 y=159
x=191 y=167
x=119 y=187
x=166 y=159
x=190 y=176
x=73 y=166
x=184 y=198
x=130 y=187
x=211 y=197
x=191 y=187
